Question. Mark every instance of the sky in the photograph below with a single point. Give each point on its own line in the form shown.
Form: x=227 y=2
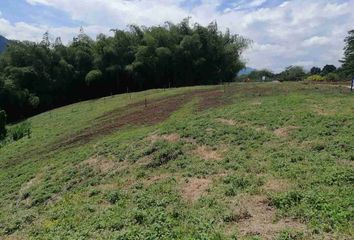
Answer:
x=295 y=32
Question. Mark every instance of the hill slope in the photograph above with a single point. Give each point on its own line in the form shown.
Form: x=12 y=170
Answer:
x=254 y=160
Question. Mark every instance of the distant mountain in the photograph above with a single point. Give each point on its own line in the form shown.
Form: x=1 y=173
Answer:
x=245 y=71
x=3 y=43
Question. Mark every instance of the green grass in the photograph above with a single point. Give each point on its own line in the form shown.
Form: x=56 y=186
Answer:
x=133 y=183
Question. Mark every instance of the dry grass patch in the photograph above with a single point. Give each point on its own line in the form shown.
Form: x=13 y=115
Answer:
x=348 y=163
x=194 y=188
x=256 y=103
x=228 y=122
x=320 y=110
x=174 y=137
x=14 y=237
x=257 y=217
x=156 y=178
x=207 y=153
x=276 y=185
x=284 y=132
x=100 y=164
x=23 y=192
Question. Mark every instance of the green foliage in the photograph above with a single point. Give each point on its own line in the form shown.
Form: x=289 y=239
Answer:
x=113 y=197
x=93 y=77
x=20 y=131
x=41 y=76
x=332 y=77
x=317 y=78
x=2 y=124
x=315 y=71
x=258 y=74
x=290 y=235
x=348 y=60
x=328 y=69
x=292 y=73
x=103 y=188
x=164 y=152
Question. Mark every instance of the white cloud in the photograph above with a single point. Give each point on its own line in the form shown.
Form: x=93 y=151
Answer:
x=297 y=31
x=25 y=31
x=316 y=41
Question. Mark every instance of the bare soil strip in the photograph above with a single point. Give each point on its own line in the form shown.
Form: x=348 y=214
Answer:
x=151 y=113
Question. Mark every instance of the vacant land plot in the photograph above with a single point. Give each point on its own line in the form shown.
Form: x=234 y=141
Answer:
x=244 y=161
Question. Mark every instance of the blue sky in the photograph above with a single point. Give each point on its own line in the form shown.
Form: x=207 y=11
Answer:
x=294 y=32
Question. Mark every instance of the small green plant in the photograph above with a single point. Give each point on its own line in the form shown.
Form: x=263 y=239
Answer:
x=163 y=152
x=20 y=131
x=288 y=199
x=235 y=184
x=113 y=197
x=290 y=235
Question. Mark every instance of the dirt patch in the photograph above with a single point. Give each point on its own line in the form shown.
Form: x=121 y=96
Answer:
x=194 y=188
x=284 y=132
x=256 y=103
x=150 y=114
x=207 y=153
x=348 y=163
x=100 y=164
x=142 y=113
x=212 y=99
x=323 y=112
x=229 y=122
x=276 y=185
x=260 y=218
x=153 y=179
x=15 y=236
x=174 y=137
x=23 y=192
x=31 y=183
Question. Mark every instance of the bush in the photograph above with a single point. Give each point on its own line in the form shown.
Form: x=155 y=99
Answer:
x=2 y=124
x=113 y=197
x=93 y=77
x=316 y=78
x=163 y=152
x=293 y=73
x=332 y=77
x=20 y=131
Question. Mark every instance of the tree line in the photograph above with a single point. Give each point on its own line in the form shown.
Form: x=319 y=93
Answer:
x=297 y=73
x=35 y=77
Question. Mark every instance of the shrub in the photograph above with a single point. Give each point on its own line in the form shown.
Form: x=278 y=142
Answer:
x=20 y=131
x=316 y=78
x=293 y=73
x=163 y=152
x=332 y=77
x=2 y=124
x=93 y=77
x=113 y=197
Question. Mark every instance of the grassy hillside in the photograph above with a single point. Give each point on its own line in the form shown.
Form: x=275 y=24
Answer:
x=248 y=161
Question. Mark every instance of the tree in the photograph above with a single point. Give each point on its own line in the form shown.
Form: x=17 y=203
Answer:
x=293 y=73
x=348 y=60
x=315 y=71
x=35 y=77
x=328 y=69
x=257 y=75
x=93 y=77
x=2 y=124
